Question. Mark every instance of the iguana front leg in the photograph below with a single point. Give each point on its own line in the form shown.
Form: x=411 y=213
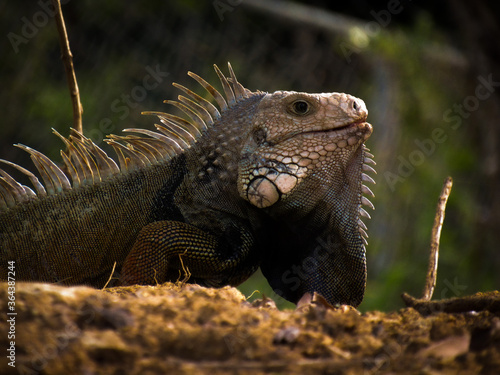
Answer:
x=210 y=260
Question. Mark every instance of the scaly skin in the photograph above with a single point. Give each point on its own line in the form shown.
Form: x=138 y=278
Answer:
x=275 y=182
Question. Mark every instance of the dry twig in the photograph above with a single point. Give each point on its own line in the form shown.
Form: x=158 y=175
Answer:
x=67 y=58
x=110 y=276
x=430 y=281
x=187 y=273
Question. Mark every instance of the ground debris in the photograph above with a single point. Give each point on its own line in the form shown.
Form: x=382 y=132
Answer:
x=488 y=301
x=188 y=329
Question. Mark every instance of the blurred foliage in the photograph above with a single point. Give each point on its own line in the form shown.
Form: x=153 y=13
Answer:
x=406 y=73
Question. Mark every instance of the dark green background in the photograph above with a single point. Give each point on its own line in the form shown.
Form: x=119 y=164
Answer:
x=413 y=67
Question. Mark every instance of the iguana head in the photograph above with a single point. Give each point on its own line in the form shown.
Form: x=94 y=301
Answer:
x=296 y=135
x=303 y=164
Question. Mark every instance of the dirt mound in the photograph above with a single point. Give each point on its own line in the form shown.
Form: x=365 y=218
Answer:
x=189 y=329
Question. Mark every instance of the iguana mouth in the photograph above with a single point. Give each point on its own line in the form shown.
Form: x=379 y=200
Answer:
x=338 y=131
x=331 y=132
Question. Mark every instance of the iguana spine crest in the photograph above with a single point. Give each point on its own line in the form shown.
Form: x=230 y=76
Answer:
x=86 y=163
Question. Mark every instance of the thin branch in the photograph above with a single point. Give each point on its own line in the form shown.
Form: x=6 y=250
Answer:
x=187 y=273
x=430 y=282
x=110 y=276
x=67 y=58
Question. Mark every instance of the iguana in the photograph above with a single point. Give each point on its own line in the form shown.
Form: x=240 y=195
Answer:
x=267 y=179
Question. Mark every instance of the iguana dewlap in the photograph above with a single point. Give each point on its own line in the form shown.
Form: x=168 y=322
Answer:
x=263 y=179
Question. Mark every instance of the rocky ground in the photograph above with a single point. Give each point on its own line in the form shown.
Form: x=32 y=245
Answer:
x=173 y=329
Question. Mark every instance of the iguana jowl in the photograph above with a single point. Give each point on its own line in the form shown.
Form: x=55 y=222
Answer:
x=267 y=179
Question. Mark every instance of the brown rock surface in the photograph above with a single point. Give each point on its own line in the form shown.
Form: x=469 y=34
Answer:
x=171 y=329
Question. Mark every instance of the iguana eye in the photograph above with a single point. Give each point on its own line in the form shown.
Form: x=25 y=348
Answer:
x=300 y=107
